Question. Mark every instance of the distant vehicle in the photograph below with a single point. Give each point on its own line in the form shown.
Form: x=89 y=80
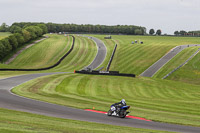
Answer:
x=120 y=112
x=108 y=37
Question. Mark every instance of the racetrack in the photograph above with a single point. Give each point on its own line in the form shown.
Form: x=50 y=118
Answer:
x=161 y=62
x=12 y=101
x=101 y=54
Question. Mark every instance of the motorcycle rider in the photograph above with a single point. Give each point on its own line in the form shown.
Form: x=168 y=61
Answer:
x=119 y=105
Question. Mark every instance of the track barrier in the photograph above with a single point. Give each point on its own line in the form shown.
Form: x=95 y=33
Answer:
x=111 y=73
x=111 y=58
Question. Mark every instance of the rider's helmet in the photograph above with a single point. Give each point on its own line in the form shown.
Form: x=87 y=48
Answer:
x=123 y=101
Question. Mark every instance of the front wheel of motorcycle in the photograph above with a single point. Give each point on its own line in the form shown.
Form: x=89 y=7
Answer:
x=122 y=113
x=109 y=112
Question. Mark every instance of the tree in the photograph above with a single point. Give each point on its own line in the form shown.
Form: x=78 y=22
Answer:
x=53 y=27
x=138 y=32
x=176 y=33
x=2 y=51
x=4 y=28
x=15 y=29
x=38 y=31
x=43 y=27
x=158 y=32
x=32 y=31
x=182 y=32
x=7 y=45
x=13 y=41
x=26 y=35
x=151 y=31
x=20 y=38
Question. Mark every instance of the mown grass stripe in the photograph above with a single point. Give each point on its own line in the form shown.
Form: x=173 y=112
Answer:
x=156 y=98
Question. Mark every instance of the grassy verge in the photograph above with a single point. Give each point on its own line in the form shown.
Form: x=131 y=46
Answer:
x=158 y=100
x=32 y=123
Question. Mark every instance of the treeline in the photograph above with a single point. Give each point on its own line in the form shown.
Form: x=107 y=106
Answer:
x=185 y=33
x=20 y=36
x=103 y=29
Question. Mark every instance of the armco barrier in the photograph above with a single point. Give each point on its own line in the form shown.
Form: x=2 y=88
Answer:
x=111 y=58
x=46 y=68
x=111 y=73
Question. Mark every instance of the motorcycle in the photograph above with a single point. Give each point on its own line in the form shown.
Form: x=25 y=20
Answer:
x=119 y=111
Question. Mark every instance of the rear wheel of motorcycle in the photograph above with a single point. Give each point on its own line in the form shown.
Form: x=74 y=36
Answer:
x=109 y=112
x=122 y=113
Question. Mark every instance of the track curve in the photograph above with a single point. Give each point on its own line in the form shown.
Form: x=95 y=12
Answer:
x=101 y=54
x=166 y=58
x=11 y=101
x=14 y=102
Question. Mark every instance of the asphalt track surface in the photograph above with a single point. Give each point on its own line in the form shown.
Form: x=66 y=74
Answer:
x=14 y=102
x=161 y=62
x=101 y=54
x=11 y=101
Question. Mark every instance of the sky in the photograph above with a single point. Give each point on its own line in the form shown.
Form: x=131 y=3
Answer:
x=167 y=15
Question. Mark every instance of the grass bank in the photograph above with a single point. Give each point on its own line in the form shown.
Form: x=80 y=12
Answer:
x=50 y=51
x=158 y=100
x=32 y=123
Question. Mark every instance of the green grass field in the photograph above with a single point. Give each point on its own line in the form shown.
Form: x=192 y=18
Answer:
x=43 y=54
x=49 y=51
x=136 y=58
x=152 y=98
x=15 y=51
x=10 y=122
x=83 y=54
x=158 y=100
x=4 y=34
